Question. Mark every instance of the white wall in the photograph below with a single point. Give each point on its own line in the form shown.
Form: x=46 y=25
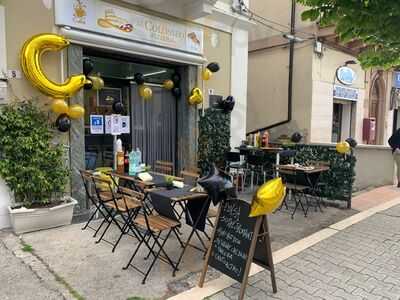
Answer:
x=239 y=72
x=3 y=55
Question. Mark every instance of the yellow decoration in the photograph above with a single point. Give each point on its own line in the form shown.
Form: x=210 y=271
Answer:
x=97 y=82
x=207 y=74
x=76 y=111
x=268 y=197
x=31 y=54
x=343 y=147
x=196 y=96
x=147 y=93
x=168 y=84
x=59 y=106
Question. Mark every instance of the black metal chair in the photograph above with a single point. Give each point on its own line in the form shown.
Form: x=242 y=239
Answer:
x=233 y=161
x=255 y=162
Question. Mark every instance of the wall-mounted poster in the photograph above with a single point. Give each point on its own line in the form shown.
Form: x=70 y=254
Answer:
x=107 y=96
x=96 y=124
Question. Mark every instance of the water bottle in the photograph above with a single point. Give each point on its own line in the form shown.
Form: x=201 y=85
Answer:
x=139 y=154
x=132 y=163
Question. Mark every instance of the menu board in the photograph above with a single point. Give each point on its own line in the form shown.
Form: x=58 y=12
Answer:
x=232 y=239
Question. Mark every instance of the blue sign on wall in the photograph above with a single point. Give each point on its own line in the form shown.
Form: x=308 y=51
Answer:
x=345 y=93
x=96 y=124
x=346 y=76
x=396 y=80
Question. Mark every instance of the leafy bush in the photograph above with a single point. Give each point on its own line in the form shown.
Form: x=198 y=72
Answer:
x=30 y=164
x=214 y=138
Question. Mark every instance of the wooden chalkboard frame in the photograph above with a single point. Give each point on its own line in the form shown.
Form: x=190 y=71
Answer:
x=261 y=240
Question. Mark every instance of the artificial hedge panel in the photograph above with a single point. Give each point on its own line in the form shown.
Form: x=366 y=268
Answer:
x=337 y=183
x=214 y=138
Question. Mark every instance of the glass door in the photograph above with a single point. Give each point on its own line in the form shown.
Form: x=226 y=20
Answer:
x=337 y=122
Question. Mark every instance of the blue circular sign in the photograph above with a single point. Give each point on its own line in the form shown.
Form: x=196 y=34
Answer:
x=345 y=75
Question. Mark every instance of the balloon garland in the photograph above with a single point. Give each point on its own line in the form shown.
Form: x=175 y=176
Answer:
x=210 y=70
x=226 y=104
x=196 y=96
x=343 y=147
x=31 y=54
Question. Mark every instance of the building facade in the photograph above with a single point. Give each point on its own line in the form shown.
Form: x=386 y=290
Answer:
x=164 y=38
x=317 y=102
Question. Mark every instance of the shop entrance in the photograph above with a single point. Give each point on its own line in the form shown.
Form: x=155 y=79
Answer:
x=152 y=122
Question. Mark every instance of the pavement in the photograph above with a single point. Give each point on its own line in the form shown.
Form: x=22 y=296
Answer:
x=65 y=262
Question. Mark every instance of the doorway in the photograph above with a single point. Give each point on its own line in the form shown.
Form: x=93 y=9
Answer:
x=153 y=124
x=337 y=122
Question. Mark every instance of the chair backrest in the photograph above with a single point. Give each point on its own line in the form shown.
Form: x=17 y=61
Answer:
x=190 y=178
x=87 y=183
x=102 y=186
x=163 y=206
x=232 y=156
x=164 y=167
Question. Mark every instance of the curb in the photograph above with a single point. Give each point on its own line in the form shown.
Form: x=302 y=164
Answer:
x=214 y=286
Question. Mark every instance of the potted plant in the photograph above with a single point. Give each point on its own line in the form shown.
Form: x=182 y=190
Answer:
x=33 y=167
x=169 y=182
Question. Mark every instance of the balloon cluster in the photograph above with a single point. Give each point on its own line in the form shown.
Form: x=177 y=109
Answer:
x=173 y=85
x=196 y=96
x=31 y=54
x=343 y=147
x=210 y=70
x=144 y=91
x=226 y=104
x=352 y=142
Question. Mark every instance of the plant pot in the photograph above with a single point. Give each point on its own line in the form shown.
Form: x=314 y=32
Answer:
x=27 y=220
x=5 y=202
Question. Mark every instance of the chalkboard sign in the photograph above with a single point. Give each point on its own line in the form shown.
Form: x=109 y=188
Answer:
x=237 y=241
x=232 y=240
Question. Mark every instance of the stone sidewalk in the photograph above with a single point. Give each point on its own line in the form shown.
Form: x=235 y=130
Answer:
x=359 y=262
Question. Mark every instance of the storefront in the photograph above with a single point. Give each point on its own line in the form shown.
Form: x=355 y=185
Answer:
x=122 y=40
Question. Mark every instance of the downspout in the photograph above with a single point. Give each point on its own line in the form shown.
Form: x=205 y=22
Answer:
x=290 y=84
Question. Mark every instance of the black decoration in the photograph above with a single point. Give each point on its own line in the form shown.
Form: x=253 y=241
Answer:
x=352 y=142
x=217 y=184
x=139 y=79
x=63 y=123
x=296 y=137
x=118 y=107
x=89 y=85
x=177 y=92
x=227 y=104
x=176 y=78
x=88 y=66
x=213 y=67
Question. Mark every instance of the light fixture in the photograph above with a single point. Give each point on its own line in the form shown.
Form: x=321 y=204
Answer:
x=293 y=38
x=155 y=73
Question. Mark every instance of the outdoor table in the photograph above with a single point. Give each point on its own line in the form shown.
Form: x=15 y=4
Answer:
x=182 y=197
x=312 y=175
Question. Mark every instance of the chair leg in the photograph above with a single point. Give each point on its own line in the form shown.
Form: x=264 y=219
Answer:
x=252 y=180
x=91 y=218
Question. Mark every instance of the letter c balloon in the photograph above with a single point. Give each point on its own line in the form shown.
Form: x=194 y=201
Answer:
x=31 y=66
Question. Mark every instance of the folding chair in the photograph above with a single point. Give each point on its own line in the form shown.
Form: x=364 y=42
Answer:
x=164 y=167
x=296 y=190
x=154 y=225
x=126 y=206
x=87 y=183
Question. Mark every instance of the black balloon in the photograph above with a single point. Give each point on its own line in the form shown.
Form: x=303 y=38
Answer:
x=139 y=79
x=213 y=67
x=227 y=104
x=176 y=78
x=118 y=107
x=89 y=85
x=296 y=137
x=63 y=123
x=177 y=92
x=217 y=184
x=352 y=142
x=88 y=66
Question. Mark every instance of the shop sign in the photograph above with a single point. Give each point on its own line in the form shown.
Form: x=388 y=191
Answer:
x=345 y=93
x=396 y=80
x=345 y=75
x=96 y=124
x=108 y=19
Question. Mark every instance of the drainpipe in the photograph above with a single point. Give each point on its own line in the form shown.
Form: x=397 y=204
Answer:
x=290 y=84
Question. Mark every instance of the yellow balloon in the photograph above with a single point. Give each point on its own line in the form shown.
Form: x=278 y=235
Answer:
x=59 y=106
x=168 y=84
x=76 y=111
x=207 y=74
x=147 y=93
x=343 y=147
x=196 y=96
x=31 y=65
x=97 y=82
x=268 y=197
x=141 y=90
